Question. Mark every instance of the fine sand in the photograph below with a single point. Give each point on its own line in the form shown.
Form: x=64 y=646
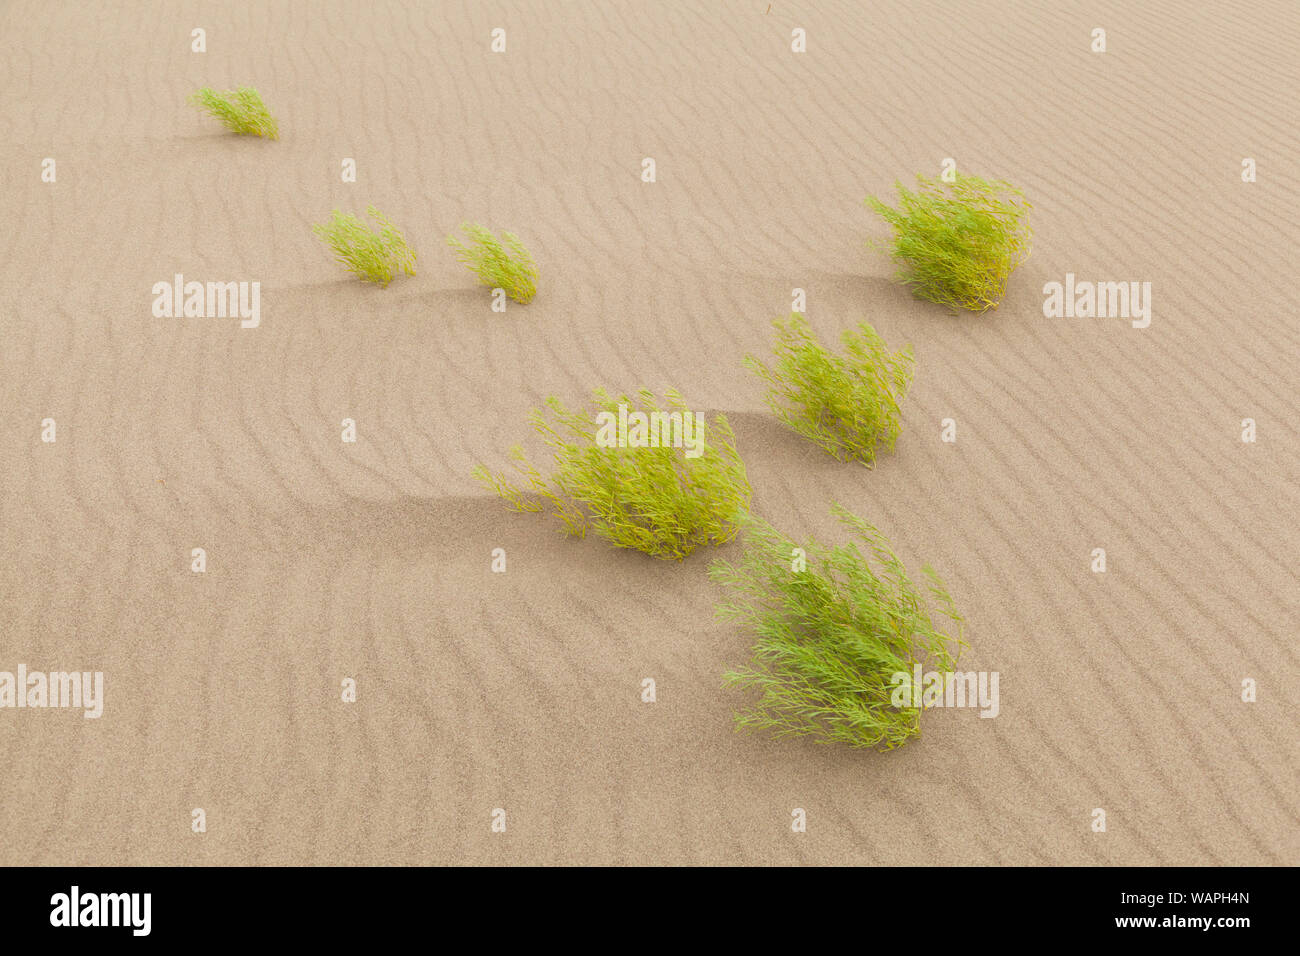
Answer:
x=521 y=691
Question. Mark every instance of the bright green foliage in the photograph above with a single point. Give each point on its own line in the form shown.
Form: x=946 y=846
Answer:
x=832 y=635
x=498 y=265
x=847 y=403
x=957 y=243
x=659 y=500
x=242 y=111
x=373 y=256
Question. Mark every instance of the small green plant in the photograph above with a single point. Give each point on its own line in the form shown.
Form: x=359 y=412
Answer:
x=373 y=256
x=847 y=404
x=498 y=265
x=957 y=243
x=833 y=634
x=242 y=111
x=637 y=474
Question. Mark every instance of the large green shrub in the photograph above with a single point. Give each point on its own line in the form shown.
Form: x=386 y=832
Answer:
x=847 y=404
x=664 y=500
x=957 y=243
x=374 y=256
x=832 y=632
x=241 y=111
x=500 y=265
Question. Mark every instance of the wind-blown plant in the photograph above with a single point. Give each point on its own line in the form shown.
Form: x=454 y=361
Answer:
x=373 y=256
x=957 y=243
x=242 y=111
x=659 y=500
x=847 y=404
x=832 y=634
x=498 y=265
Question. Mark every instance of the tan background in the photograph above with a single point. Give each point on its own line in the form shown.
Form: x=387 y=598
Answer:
x=520 y=690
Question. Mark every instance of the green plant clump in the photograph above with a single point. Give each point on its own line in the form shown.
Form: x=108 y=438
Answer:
x=957 y=243
x=833 y=636
x=847 y=404
x=666 y=492
x=373 y=256
x=498 y=265
x=242 y=111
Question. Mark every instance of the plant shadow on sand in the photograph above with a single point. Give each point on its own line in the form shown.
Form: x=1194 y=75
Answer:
x=850 y=297
x=770 y=447
x=412 y=526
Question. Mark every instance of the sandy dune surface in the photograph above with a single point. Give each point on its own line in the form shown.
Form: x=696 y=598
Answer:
x=521 y=690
